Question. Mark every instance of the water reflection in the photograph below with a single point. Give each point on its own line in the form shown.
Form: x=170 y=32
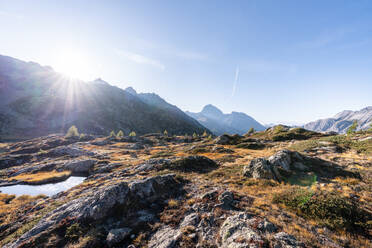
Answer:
x=46 y=189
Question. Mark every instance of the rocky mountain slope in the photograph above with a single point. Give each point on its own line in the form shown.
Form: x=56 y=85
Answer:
x=220 y=123
x=35 y=100
x=342 y=121
x=159 y=191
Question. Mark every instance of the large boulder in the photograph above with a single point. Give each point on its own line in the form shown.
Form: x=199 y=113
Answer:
x=226 y=139
x=281 y=159
x=259 y=168
x=193 y=164
x=285 y=164
x=80 y=166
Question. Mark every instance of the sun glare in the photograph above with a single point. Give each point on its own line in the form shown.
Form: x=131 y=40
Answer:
x=74 y=64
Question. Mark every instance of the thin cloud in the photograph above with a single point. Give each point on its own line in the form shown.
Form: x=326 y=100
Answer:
x=235 y=81
x=141 y=59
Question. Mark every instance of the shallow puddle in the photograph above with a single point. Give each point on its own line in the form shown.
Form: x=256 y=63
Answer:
x=46 y=189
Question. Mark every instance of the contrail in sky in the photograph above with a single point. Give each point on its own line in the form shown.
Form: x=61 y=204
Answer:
x=235 y=81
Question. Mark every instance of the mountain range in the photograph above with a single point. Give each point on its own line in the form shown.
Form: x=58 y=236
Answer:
x=35 y=100
x=219 y=123
x=342 y=121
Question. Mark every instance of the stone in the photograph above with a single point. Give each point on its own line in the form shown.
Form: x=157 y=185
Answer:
x=226 y=139
x=284 y=240
x=266 y=227
x=281 y=159
x=235 y=232
x=199 y=164
x=107 y=168
x=210 y=195
x=190 y=220
x=226 y=199
x=80 y=166
x=166 y=237
x=68 y=151
x=117 y=235
x=259 y=168
x=219 y=149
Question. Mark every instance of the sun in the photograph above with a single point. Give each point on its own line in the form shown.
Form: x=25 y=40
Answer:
x=74 y=64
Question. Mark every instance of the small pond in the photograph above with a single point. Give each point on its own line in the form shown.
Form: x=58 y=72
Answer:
x=46 y=189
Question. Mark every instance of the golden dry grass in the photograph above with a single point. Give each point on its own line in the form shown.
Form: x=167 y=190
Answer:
x=41 y=176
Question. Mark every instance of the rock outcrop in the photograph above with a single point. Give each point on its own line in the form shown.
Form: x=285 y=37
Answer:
x=285 y=163
x=100 y=205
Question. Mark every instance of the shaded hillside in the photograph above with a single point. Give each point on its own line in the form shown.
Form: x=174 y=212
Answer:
x=35 y=100
x=342 y=121
x=219 y=123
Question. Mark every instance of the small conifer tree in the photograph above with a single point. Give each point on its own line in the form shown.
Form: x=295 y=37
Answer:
x=120 y=134
x=194 y=135
x=210 y=137
x=72 y=132
x=132 y=134
x=353 y=127
x=205 y=134
x=112 y=134
x=165 y=133
x=251 y=131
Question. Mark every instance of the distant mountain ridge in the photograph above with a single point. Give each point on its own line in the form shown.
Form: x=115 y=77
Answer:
x=342 y=121
x=219 y=123
x=35 y=100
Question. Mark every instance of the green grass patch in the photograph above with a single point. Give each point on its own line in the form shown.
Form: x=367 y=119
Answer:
x=302 y=180
x=327 y=208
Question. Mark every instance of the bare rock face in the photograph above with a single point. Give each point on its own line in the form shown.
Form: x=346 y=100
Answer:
x=281 y=159
x=101 y=204
x=166 y=237
x=259 y=168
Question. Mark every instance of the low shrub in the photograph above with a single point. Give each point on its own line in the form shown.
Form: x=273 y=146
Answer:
x=328 y=208
x=74 y=231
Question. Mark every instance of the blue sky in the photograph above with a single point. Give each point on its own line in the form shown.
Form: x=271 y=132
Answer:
x=278 y=61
